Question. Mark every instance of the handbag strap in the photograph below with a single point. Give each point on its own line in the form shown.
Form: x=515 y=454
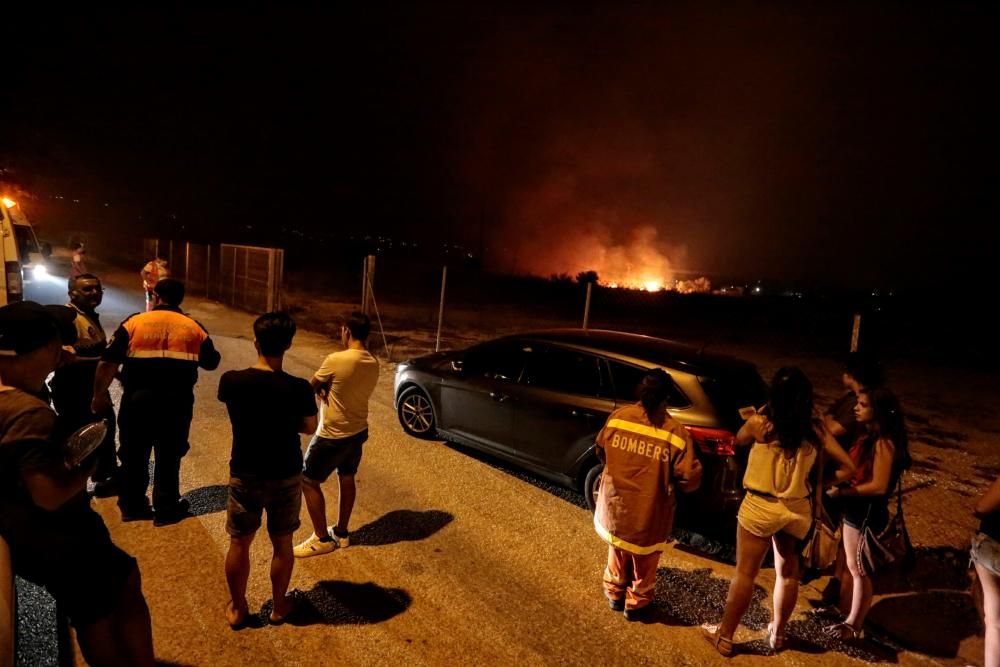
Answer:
x=818 y=501
x=899 y=495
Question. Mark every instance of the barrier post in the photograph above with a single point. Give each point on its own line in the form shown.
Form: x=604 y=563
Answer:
x=444 y=280
x=586 y=306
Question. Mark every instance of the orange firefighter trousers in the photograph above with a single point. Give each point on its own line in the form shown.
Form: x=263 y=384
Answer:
x=631 y=576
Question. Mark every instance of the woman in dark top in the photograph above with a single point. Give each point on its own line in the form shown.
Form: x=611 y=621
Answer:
x=986 y=556
x=880 y=456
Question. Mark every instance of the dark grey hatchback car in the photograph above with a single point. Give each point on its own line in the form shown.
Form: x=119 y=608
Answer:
x=538 y=400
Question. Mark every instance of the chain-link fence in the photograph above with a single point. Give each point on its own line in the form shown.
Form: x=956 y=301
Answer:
x=247 y=277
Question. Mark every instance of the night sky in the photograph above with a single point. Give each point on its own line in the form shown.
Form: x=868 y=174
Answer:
x=843 y=144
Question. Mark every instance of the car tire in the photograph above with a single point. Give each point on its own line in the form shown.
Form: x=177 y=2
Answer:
x=591 y=483
x=416 y=413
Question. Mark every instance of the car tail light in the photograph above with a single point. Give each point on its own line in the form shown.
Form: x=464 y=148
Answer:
x=713 y=440
x=15 y=288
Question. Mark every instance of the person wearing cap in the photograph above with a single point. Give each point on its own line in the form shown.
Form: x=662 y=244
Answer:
x=73 y=382
x=160 y=352
x=56 y=539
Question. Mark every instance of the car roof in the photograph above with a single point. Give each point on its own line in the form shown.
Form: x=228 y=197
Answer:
x=659 y=351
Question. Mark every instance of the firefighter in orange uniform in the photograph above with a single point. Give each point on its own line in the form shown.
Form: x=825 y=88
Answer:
x=646 y=454
x=161 y=351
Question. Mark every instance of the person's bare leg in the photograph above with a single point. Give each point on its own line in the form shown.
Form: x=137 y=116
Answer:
x=125 y=636
x=237 y=573
x=282 y=562
x=135 y=627
x=750 y=551
x=846 y=579
x=861 y=594
x=786 y=579
x=312 y=493
x=991 y=615
x=348 y=492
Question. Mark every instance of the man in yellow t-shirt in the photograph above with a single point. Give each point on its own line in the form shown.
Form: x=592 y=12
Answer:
x=344 y=382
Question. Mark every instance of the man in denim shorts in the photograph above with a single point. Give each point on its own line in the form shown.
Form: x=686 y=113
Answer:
x=268 y=409
x=345 y=382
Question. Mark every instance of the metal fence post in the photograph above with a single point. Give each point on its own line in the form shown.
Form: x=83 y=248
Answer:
x=369 y=283
x=246 y=275
x=855 y=331
x=586 y=306
x=444 y=280
x=364 y=286
x=270 y=280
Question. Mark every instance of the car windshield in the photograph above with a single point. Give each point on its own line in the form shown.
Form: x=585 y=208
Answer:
x=26 y=242
x=732 y=390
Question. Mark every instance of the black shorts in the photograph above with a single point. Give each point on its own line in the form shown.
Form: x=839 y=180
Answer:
x=249 y=498
x=71 y=554
x=328 y=454
x=858 y=509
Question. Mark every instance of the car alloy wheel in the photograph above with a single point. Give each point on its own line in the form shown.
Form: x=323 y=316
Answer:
x=416 y=413
x=592 y=485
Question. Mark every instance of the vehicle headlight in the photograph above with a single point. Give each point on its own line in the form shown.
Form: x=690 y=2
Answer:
x=40 y=271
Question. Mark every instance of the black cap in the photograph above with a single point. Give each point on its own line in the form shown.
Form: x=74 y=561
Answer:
x=26 y=326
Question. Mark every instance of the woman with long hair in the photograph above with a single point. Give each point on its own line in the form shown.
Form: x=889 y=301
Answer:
x=776 y=511
x=880 y=455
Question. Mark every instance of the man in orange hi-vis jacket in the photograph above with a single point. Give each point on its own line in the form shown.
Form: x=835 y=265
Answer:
x=646 y=453
x=161 y=351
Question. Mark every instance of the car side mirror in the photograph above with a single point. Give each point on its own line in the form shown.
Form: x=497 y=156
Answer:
x=456 y=365
x=46 y=250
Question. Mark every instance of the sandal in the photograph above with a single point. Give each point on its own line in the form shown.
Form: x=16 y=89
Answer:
x=293 y=597
x=711 y=634
x=830 y=612
x=237 y=620
x=774 y=640
x=842 y=631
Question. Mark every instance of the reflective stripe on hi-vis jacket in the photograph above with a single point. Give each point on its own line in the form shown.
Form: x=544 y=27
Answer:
x=164 y=334
x=651 y=431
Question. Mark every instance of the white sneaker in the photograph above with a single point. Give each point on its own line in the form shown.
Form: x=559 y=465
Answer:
x=342 y=542
x=313 y=547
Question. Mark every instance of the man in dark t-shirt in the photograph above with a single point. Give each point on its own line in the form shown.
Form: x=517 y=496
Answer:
x=56 y=539
x=268 y=409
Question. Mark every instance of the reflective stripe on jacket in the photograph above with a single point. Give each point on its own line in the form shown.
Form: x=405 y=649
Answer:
x=164 y=334
x=635 y=504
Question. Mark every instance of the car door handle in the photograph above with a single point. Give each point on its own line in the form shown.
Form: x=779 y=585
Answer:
x=583 y=414
x=499 y=397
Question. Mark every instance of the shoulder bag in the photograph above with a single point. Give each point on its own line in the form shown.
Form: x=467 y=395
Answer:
x=820 y=551
x=889 y=547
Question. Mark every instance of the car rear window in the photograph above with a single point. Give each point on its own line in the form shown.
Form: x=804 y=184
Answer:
x=732 y=390
x=626 y=379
